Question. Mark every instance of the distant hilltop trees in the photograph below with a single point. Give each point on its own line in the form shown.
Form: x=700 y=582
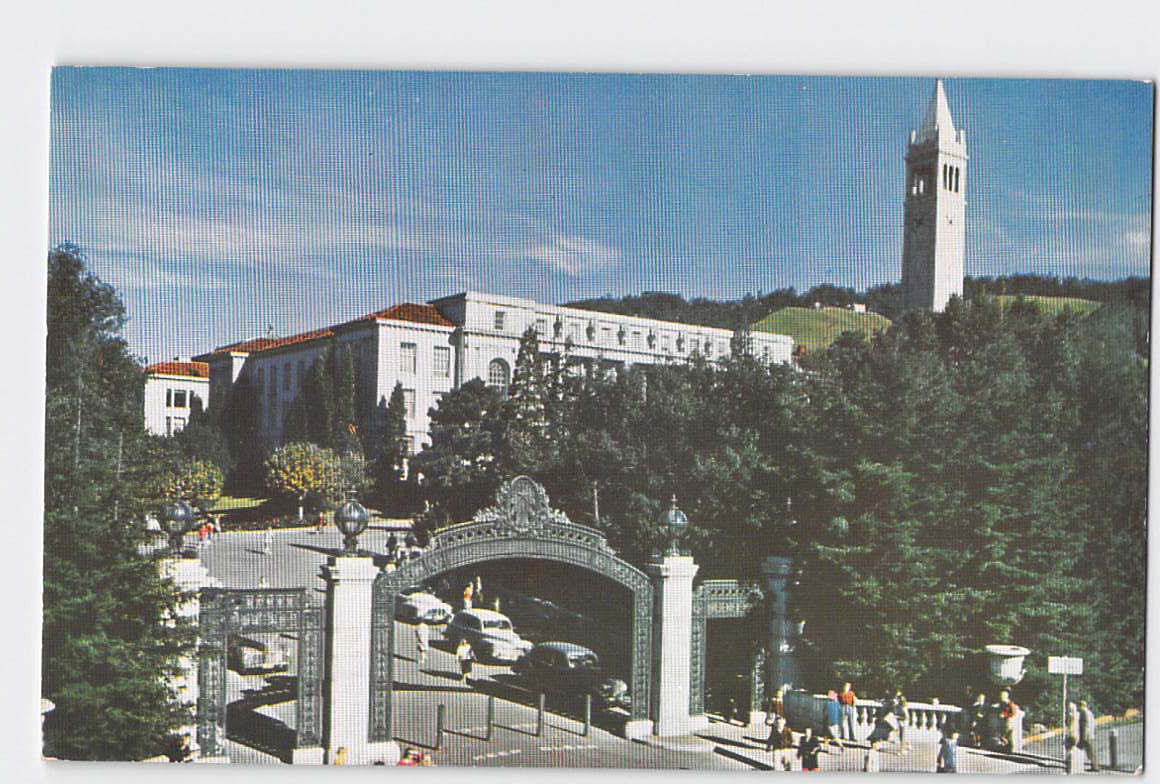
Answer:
x=885 y=300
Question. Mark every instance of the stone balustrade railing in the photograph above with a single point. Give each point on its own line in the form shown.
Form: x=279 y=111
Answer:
x=924 y=721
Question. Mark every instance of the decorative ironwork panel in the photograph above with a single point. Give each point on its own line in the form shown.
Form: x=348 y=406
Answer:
x=250 y=611
x=382 y=665
x=757 y=695
x=223 y=612
x=211 y=698
x=698 y=650
x=521 y=524
x=311 y=666
x=728 y=598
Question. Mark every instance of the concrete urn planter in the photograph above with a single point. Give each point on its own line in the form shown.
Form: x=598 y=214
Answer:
x=1006 y=663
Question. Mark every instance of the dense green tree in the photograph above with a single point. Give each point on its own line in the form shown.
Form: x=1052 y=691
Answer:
x=393 y=488
x=203 y=438
x=301 y=470
x=107 y=655
x=458 y=469
x=344 y=432
x=524 y=445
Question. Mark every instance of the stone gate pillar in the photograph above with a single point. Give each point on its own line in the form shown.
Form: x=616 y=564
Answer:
x=347 y=691
x=777 y=571
x=673 y=591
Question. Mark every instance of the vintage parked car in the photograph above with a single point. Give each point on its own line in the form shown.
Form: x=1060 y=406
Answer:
x=417 y=605
x=246 y=656
x=567 y=668
x=490 y=635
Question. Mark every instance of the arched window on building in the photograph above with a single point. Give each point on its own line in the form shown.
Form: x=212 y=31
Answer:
x=498 y=374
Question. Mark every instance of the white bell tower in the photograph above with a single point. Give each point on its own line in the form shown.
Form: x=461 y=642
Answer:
x=935 y=211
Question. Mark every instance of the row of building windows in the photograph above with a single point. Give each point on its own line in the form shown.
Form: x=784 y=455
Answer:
x=635 y=339
x=409 y=360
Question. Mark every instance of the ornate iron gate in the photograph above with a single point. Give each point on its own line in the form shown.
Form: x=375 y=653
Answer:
x=714 y=599
x=266 y=610
x=521 y=525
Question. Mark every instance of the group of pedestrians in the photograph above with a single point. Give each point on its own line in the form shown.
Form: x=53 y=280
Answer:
x=207 y=530
x=839 y=720
x=1081 y=732
x=990 y=725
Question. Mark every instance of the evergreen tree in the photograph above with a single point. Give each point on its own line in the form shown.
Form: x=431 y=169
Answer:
x=202 y=438
x=458 y=469
x=107 y=652
x=319 y=408
x=391 y=464
x=344 y=438
x=524 y=443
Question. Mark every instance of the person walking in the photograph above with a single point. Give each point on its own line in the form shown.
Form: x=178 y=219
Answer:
x=780 y=745
x=808 y=750
x=1071 y=727
x=848 y=700
x=833 y=715
x=478 y=594
x=268 y=541
x=422 y=639
x=945 y=762
x=319 y=523
x=1087 y=735
x=465 y=655
x=977 y=718
x=1009 y=713
x=885 y=726
x=898 y=707
x=777 y=704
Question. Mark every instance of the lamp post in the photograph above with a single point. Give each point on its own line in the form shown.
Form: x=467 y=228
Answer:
x=675 y=522
x=352 y=519
x=177 y=517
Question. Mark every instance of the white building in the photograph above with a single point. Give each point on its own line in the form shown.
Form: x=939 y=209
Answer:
x=935 y=209
x=434 y=348
x=169 y=391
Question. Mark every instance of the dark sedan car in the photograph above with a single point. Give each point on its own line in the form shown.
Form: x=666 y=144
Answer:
x=568 y=668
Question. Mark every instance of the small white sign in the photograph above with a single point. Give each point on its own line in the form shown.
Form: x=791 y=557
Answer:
x=1064 y=665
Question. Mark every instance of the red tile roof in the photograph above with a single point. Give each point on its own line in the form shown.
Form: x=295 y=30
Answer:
x=407 y=311
x=175 y=368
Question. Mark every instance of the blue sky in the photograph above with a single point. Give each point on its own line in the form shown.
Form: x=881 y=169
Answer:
x=220 y=202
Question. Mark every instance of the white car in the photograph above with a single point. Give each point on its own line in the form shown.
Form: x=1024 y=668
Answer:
x=420 y=606
x=490 y=633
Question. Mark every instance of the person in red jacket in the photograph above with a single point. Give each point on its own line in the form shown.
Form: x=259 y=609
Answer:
x=848 y=699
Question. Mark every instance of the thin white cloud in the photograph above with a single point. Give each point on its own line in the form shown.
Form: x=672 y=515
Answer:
x=574 y=256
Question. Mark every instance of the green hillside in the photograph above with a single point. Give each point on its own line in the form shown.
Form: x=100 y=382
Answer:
x=1054 y=305
x=817 y=328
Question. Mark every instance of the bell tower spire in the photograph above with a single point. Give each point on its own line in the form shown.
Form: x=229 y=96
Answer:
x=934 y=228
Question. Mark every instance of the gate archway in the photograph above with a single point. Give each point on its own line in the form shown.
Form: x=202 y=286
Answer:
x=521 y=524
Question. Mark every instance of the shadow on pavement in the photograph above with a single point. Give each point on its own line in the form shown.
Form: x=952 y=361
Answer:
x=508 y=688
x=246 y=726
x=731 y=742
x=403 y=686
x=741 y=758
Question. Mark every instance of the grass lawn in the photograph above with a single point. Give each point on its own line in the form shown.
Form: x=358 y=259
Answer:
x=228 y=503
x=817 y=328
x=1054 y=305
